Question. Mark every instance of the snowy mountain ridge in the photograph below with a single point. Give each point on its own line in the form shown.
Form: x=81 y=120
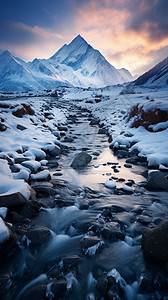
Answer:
x=157 y=76
x=74 y=64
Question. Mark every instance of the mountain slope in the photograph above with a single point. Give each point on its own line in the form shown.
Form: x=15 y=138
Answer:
x=157 y=76
x=15 y=76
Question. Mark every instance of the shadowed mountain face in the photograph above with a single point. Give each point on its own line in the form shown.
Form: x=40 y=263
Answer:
x=157 y=76
x=75 y=64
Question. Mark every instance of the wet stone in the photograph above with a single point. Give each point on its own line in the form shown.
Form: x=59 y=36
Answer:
x=106 y=213
x=114 y=289
x=157 y=181
x=81 y=160
x=62 y=128
x=71 y=261
x=116 y=170
x=117 y=208
x=12 y=200
x=44 y=191
x=59 y=287
x=30 y=209
x=62 y=203
x=129 y=183
x=131 y=161
x=8 y=246
x=127 y=165
x=38 y=236
x=5 y=283
x=68 y=139
x=89 y=241
x=21 y=127
x=96 y=153
x=36 y=291
x=155 y=242
x=102 y=131
x=112 y=231
x=121 y=179
x=122 y=153
x=145 y=220
x=58 y=174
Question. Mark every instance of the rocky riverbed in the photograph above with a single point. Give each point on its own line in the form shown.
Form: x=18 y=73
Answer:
x=94 y=225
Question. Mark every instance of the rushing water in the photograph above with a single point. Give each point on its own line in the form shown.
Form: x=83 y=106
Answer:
x=120 y=258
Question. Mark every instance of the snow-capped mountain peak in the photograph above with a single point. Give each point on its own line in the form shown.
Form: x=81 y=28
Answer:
x=74 y=64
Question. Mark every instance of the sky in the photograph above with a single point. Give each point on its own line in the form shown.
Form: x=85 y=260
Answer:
x=130 y=33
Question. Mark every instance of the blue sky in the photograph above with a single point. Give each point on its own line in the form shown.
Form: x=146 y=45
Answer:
x=129 y=33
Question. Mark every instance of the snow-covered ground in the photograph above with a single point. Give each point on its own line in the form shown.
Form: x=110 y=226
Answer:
x=113 y=111
x=27 y=137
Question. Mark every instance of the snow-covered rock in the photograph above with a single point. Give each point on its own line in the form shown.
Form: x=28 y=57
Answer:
x=43 y=175
x=110 y=184
x=4 y=231
x=32 y=165
x=3 y=212
x=127 y=188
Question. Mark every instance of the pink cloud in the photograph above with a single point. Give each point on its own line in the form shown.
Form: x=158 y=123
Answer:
x=105 y=27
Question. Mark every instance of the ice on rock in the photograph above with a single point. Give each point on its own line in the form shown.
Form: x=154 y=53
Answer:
x=43 y=175
x=92 y=250
x=110 y=184
x=43 y=162
x=3 y=212
x=4 y=232
x=115 y=274
x=127 y=188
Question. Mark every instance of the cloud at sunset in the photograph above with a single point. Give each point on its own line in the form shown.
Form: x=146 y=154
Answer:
x=129 y=33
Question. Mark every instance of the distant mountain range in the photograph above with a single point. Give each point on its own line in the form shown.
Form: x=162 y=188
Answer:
x=75 y=64
x=156 y=77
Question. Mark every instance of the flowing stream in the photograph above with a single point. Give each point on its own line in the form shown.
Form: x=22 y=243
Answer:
x=117 y=219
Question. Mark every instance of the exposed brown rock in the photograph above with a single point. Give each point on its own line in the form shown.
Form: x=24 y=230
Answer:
x=145 y=119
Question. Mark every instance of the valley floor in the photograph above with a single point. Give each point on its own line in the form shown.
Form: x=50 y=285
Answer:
x=79 y=233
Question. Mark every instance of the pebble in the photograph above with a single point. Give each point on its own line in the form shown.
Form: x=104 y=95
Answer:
x=58 y=174
x=127 y=165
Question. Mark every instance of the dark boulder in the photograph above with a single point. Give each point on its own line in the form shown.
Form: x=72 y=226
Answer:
x=81 y=160
x=12 y=200
x=157 y=181
x=38 y=236
x=155 y=242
